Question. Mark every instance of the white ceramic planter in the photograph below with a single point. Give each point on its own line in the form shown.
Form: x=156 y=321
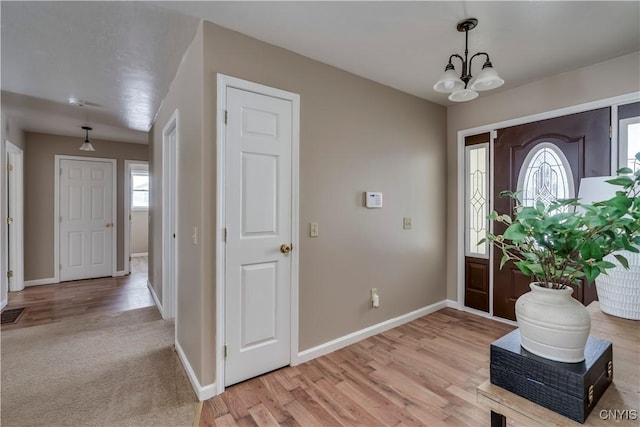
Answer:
x=552 y=324
x=619 y=289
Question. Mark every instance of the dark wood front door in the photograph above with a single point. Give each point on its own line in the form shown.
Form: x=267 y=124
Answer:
x=583 y=139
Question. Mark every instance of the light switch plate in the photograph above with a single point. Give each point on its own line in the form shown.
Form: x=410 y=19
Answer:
x=313 y=229
x=406 y=223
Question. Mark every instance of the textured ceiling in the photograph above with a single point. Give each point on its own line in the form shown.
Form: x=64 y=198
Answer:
x=121 y=56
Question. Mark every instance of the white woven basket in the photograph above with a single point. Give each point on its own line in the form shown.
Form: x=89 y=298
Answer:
x=619 y=289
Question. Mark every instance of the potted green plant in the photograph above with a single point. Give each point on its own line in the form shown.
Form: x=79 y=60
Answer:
x=559 y=244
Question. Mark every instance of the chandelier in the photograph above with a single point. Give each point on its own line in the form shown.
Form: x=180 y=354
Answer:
x=459 y=87
x=86 y=145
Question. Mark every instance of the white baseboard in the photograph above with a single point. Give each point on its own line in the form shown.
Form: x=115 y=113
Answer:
x=338 y=343
x=155 y=297
x=488 y=316
x=140 y=254
x=120 y=273
x=453 y=304
x=203 y=393
x=38 y=282
x=3 y=304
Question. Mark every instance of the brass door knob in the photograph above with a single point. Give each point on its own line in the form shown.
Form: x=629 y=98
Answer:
x=285 y=249
x=108 y=225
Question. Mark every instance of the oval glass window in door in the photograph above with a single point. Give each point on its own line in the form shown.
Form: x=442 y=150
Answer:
x=545 y=175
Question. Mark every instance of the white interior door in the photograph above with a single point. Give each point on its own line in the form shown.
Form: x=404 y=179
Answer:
x=15 y=188
x=169 y=218
x=258 y=214
x=86 y=219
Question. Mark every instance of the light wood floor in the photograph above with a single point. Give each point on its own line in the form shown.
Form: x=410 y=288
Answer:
x=51 y=303
x=422 y=373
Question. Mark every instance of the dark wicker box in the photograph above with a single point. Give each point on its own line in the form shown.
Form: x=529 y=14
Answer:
x=570 y=389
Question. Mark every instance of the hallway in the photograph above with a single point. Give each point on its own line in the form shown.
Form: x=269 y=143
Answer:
x=51 y=303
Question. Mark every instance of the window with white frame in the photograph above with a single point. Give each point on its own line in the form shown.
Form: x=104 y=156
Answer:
x=139 y=189
x=629 y=130
x=476 y=199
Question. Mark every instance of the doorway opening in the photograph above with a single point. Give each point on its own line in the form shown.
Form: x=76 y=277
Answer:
x=136 y=226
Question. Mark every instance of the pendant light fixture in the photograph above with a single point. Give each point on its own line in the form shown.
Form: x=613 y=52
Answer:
x=86 y=145
x=458 y=87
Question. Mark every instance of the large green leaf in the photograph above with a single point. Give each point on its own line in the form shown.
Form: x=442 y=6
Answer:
x=515 y=232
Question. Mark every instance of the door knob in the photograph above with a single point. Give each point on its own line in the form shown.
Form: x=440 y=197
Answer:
x=285 y=249
x=108 y=225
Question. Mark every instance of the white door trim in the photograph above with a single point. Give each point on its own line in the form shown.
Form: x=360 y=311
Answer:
x=56 y=210
x=602 y=103
x=15 y=209
x=224 y=82
x=169 y=205
x=129 y=165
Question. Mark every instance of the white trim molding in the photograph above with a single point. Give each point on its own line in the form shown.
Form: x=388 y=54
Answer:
x=39 y=282
x=224 y=82
x=120 y=273
x=14 y=208
x=203 y=393
x=155 y=297
x=354 y=337
x=141 y=254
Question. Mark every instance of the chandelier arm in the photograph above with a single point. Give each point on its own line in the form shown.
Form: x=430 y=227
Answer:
x=479 y=53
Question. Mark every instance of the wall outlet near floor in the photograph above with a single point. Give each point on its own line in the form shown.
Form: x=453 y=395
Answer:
x=406 y=223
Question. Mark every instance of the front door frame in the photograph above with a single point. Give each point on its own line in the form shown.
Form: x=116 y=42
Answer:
x=56 y=211
x=612 y=102
x=224 y=82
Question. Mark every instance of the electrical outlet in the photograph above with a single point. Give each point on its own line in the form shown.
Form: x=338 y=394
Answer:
x=406 y=223
x=313 y=229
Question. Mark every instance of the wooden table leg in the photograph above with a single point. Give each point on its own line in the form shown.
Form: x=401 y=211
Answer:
x=498 y=420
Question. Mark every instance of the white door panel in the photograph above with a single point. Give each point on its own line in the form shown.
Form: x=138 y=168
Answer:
x=86 y=219
x=258 y=213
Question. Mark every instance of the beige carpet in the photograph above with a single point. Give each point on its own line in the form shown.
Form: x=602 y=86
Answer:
x=107 y=370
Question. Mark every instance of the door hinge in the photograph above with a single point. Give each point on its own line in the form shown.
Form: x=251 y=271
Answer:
x=129 y=217
x=225 y=234
x=129 y=259
x=10 y=274
x=226 y=115
x=225 y=351
x=174 y=235
x=9 y=167
x=610 y=132
x=9 y=220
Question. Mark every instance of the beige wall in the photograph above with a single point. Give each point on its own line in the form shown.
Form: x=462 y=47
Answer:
x=39 y=194
x=356 y=135
x=139 y=232
x=186 y=96
x=607 y=79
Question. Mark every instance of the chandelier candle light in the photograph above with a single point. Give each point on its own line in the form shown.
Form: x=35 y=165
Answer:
x=458 y=86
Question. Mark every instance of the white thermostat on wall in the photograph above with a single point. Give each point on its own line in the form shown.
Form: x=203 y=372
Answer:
x=373 y=199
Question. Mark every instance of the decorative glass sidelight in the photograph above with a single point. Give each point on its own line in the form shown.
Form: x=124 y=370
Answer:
x=545 y=175
x=476 y=199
